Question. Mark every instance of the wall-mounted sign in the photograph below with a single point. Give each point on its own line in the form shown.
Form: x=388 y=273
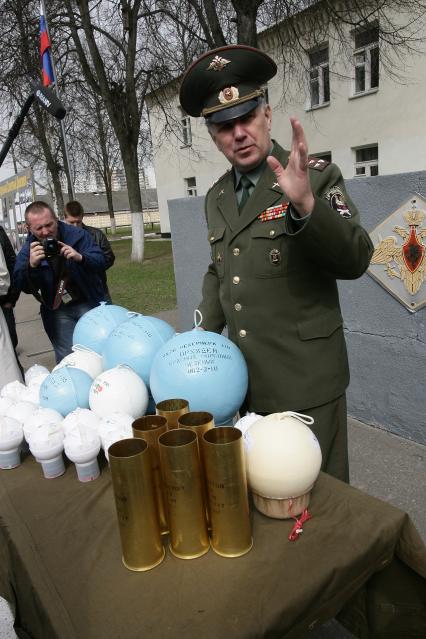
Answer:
x=399 y=261
x=16 y=193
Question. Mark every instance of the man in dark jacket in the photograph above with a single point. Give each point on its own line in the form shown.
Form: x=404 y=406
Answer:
x=62 y=267
x=74 y=214
x=282 y=230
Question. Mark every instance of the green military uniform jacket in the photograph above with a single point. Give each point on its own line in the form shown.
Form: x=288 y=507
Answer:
x=273 y=283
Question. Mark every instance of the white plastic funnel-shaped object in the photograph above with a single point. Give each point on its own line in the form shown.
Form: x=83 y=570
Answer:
x=82 y=447
x=11 y=436
x=46 y=444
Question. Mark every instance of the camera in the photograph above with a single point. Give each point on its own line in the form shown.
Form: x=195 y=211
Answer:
x=50 y=247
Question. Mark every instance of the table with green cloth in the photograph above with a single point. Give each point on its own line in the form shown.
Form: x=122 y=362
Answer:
x=60 y=566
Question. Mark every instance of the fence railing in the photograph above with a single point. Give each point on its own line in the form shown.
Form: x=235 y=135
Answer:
x=103 y=220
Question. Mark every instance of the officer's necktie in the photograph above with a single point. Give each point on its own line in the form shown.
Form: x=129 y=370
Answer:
x=246 y=183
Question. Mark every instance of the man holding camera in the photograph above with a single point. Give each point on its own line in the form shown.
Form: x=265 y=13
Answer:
x=63 y=268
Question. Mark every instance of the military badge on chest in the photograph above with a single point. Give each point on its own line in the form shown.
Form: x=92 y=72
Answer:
x=275 y=257
x=273 y=213
x=337 y=202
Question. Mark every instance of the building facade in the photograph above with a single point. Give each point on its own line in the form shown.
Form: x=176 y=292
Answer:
x=366 y=118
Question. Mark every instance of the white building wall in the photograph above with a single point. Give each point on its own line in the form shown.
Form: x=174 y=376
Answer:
x=393 y=117
x=174 y=162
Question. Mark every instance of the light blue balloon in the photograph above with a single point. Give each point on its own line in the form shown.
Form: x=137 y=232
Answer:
x=135 y=342
x=206 y=369
x=65 y=390
x=93 y=327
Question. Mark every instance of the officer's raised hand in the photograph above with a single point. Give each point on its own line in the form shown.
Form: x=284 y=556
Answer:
x=294 y=178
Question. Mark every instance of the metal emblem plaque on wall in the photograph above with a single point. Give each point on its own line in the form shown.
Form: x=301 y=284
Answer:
x=399 y=259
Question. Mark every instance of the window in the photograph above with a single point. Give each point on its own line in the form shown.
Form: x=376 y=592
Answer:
x=191 y=187
x=319 y=77
x=366 y=59
x=367 y=161
x=185 y=121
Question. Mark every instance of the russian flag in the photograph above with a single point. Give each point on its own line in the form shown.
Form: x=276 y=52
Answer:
x=46 y=62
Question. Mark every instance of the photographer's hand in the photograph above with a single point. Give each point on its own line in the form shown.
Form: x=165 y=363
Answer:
x=36 y=254
x=70 y=253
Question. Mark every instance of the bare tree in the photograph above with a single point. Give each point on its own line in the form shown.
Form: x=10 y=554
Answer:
x=96 y=151
x=20 y=61
x=110 y=50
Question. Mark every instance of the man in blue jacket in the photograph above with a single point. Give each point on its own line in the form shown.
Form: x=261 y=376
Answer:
x=63 y=268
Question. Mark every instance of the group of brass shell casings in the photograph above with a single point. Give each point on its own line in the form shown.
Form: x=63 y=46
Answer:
x=180 y=475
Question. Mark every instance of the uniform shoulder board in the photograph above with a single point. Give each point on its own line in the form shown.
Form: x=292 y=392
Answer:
x=218 y=180
x=317 y=163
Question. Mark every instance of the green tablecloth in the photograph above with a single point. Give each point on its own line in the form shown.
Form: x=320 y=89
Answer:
x=60 y=564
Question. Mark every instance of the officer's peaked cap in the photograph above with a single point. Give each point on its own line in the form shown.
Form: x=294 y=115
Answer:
x=226 y=83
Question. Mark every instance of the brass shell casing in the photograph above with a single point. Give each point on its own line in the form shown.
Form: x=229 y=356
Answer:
x=149 y=428
x=131 y=474
x=172 y=409
x=200 y=422
x=224 y=464
x=186 y=511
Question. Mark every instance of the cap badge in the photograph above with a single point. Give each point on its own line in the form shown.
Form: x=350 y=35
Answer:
x=218 y=63
x=228 y=95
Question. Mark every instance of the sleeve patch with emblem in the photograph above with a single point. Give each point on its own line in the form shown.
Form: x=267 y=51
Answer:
x=337 y=202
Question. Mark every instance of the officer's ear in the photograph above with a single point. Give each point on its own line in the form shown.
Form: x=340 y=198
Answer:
x=212 y=131
x=268 y=115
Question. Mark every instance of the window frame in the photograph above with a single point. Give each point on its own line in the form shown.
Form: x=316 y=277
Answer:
x=190 y=189
x=322 y=80
x=366 y=164
x=186 y=129
x=367 y=63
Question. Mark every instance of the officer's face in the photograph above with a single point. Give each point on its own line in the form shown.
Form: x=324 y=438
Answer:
x=245 y=141
x=42 y=224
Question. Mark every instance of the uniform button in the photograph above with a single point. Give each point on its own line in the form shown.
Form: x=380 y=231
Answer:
x=236 y=279
x=236 y=251
x=272 y=232
x=242 y=333
x=238 y=307
x=211 y=238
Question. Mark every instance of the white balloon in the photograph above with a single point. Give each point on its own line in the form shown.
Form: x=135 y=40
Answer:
x=37 y=380
x=84 y=359
x=119 y=389
x=283 y=456
x=34 y=371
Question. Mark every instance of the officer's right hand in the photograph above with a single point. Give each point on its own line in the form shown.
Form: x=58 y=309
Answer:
x=36 y=254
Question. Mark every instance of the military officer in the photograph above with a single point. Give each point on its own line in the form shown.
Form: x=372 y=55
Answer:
x=282 y=230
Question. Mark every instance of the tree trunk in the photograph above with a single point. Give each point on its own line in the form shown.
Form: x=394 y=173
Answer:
x=67 y=169
x=246 y=11
x=130 y=165
x=121 y=102
x=112 y=222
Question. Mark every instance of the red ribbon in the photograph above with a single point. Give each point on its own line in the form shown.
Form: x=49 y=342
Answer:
x=298 y=526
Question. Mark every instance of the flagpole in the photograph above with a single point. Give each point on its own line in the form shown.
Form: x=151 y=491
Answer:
x=55 y=78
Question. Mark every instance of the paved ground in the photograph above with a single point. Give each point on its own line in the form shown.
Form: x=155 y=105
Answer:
x=382 y=464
